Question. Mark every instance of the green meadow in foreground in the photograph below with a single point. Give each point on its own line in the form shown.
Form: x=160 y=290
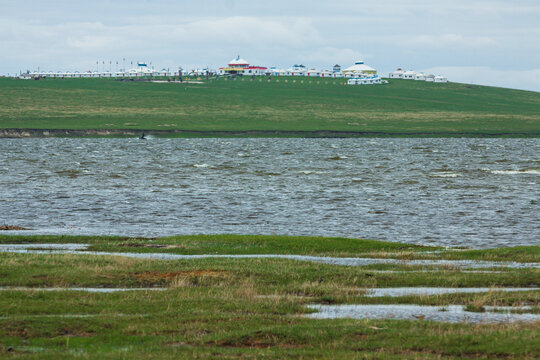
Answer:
x=283 y=106
x=251 y=308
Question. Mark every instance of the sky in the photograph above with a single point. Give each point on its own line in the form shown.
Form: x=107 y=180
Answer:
x=493 y=42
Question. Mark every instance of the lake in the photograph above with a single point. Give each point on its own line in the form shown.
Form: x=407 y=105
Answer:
x=451 y=192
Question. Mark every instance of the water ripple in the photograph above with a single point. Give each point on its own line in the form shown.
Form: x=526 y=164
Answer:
x=469 y=192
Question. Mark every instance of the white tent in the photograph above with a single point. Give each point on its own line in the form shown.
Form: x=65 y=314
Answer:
x=238 y=62
x=365 y=80
x=409 y=75
x=440 y=79
x=326 y=73
x=297 y=71
x=398 y=74
x=359 y=68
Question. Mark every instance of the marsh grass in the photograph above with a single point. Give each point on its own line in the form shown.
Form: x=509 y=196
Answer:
x=475 y=308
x=524 y=310
x=299 y=245
x=244 y=308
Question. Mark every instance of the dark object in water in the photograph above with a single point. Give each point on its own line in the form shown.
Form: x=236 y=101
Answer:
x=142 y=137
x=12 y=227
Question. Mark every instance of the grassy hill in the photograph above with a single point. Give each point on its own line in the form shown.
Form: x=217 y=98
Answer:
x=280 y=107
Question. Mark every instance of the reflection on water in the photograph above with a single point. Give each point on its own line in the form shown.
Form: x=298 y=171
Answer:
x=83 y=289
x=471 y=192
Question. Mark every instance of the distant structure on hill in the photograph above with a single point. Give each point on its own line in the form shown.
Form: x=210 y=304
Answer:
x=366 y=80
x=360 y=72
x=414 y=75
x=359 y=69
x=140 y=70
x=240 y=66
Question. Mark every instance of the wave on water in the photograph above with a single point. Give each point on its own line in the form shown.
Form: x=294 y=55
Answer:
x=310 y=172
x=72 y=173
x=338 y=157
x=132 y=189
x=444 y=174
x=515 y=172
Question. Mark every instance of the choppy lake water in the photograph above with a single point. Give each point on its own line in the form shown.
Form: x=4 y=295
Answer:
x=456 y=192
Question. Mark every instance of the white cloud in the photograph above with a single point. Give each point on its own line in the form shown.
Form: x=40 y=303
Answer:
x=237 y=31
x=330 y=55
x=251 y=31
x=450 y=40
x=516 y=79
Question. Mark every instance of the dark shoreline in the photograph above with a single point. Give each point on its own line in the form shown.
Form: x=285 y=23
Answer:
x=178 y=133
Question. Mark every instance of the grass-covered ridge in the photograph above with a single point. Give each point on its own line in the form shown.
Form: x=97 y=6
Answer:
x=225 y=244
x=279 y=107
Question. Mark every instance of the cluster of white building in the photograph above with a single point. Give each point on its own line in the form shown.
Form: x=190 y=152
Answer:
x=366 y=80
x=414 y=75
x=141 y=70
x=358 y=74
x=239 y=66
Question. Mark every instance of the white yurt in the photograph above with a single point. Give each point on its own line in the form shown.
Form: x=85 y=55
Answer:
x=365 y=80
x=238 y=62
x=397 y=74
x=326 y=73
x=440 y=79
x=359 y=68
x=409 y=75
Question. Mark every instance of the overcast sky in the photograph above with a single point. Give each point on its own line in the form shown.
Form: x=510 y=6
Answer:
x=493 y=42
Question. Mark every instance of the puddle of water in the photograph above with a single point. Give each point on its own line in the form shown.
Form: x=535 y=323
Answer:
x=449 y=313
x=29 y=248
x=85 y=289
x=13 y=247
x=405 y=291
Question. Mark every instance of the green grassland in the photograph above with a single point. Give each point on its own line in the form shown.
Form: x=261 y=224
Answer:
x=279 y=107
x=249 y=308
